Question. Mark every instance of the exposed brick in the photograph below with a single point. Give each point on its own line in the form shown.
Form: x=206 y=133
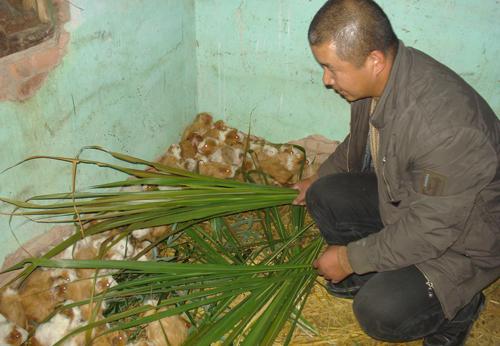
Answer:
x=3 y=75
x=3 y=84
x=46 y=59
x=28 y=87
x=63 y=40
x=11 y=91
x=22 y=73
x=21 y=68
x=8 y=89
x=64 y=14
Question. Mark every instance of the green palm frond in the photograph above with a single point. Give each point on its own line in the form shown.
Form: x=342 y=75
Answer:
x=247 y=290
x=188 y=197
x=271 y=294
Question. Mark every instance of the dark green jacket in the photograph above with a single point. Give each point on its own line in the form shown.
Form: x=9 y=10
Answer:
x=438 y=181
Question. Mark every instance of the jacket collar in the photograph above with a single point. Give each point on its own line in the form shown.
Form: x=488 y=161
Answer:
x=388 y=99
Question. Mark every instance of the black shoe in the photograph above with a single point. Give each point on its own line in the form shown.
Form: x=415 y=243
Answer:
x=348 y=287
x=456 y=331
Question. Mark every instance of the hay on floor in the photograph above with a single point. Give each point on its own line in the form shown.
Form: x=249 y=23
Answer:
x=336 y=325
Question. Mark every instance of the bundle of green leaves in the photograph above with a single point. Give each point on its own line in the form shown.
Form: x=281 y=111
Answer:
x=233 y=292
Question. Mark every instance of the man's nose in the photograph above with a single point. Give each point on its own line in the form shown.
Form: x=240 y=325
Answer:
x=328 y=79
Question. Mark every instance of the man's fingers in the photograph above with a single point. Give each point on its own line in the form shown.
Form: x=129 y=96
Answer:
x=298 y=202
x=300 y=199
x=316 y=266
x=302 y=187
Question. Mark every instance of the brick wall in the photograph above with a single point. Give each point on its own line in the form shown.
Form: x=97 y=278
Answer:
x=23 y=73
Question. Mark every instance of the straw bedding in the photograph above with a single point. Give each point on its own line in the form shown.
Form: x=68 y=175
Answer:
x=336 y=325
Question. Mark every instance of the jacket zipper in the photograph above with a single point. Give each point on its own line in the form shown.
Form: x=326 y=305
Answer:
x=429 y=284
x=348 y=146
x=388 y=187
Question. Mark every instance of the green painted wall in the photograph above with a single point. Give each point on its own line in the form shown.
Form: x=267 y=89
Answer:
x=253 y=58
x=137 y=72
x=130 y=72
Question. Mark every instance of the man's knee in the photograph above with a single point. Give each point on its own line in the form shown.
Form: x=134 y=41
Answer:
x=328 y=192
x=324 y=207
x=344 y=206
x=378 y=316
x=343 y=192
x=395 y=306
x=315 y=195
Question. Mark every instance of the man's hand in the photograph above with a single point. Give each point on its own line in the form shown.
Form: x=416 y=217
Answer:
x=333 y=264
x=303 y=186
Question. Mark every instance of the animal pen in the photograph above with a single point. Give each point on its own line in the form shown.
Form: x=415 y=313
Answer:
x=149 y=149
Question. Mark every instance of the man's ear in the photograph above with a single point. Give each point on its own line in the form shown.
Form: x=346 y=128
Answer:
x=377 y=61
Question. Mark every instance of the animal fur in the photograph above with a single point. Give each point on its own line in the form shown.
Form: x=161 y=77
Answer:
x=10 y=334
x=199 y=126
x=173 y=328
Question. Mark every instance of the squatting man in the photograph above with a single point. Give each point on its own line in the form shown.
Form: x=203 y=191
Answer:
x=409 y=203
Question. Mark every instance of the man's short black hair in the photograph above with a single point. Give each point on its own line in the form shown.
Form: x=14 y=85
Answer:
x=355 y=27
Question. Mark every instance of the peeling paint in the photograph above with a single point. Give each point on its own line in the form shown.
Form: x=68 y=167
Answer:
x=127 y=83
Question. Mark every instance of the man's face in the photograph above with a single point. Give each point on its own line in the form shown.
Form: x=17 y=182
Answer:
x=351 y=82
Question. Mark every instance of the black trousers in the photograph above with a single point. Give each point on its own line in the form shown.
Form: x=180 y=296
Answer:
x=390 y=306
